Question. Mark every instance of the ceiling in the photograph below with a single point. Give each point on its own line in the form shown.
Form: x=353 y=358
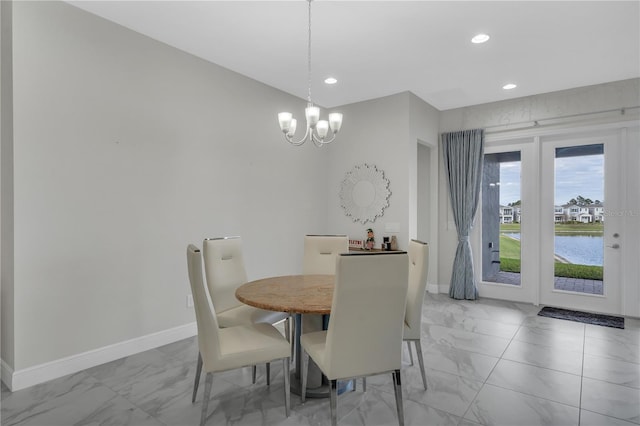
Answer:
x=379 y=48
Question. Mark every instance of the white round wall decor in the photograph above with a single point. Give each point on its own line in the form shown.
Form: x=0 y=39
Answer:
x=365 y=193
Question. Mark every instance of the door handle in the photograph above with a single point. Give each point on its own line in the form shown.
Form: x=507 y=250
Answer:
x=614 y=246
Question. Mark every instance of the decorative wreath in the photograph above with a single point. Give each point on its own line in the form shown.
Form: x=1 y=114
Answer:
x=365 y=193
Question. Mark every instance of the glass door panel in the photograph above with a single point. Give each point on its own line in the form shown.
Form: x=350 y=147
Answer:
x=579 y=219
x=504 y=236
x=580 y=259
x=501 y=218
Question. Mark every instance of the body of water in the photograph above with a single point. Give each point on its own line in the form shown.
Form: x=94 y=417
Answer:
x=578 y=249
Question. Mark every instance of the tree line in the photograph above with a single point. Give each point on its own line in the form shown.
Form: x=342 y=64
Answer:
x=578 y=201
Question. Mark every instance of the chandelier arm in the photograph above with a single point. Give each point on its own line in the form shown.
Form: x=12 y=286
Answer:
x=316 y=140
x=301 y=141
x=320 y=142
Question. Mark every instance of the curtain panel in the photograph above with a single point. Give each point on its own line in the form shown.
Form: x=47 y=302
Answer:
x=463 y=156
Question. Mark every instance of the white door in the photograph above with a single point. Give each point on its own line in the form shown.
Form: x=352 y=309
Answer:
x=581 y=242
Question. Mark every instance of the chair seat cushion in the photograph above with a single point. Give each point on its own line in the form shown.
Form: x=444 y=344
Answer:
x=315 y=344
x=248 y=345
x=245 y=314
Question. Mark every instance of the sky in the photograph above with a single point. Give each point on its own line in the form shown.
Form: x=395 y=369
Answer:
x=575 y=176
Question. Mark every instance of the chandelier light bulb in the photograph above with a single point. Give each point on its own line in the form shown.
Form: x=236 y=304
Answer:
x=292 y=127
x=335 y=121
x=284 y=118
x=312 y=113
x=322 y=128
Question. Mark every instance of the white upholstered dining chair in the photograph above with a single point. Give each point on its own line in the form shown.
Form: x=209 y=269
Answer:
x=232 y=347
x=320 y=253
x=319 y=257
x=225 y=272
x=365 y=330
x=418 y=269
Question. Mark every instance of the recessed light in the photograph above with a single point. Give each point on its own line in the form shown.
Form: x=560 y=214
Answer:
x=330 y=80
x=480 y=38
x=509 y=86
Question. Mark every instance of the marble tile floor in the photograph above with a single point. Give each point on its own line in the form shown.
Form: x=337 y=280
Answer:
x=489 y=362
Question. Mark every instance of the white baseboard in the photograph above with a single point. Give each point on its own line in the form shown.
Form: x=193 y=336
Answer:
x=432 y=288
x=6 y=372
x=437 y=288
x=20 y=379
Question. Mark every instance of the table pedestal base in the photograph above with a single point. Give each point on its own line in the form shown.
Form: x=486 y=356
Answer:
x=319 y=392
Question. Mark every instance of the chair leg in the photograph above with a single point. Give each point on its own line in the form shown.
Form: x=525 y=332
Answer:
x=253 y=374
x=305 y=368
x=196 y=382
x=268 y=373
x=205 y=402
x=364 y=384
x=421 y=362
x=397 y=388
x=334 y=402
x=292 y=337
x=287 y=329
x=287 y=386
x=410 y=354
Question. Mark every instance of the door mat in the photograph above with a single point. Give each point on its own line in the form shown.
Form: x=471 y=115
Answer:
x=585 y=317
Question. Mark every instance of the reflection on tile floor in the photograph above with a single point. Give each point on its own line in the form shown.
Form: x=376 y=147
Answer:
x=489 y=362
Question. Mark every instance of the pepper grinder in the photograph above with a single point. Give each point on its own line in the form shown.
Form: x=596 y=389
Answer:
x=394 y=243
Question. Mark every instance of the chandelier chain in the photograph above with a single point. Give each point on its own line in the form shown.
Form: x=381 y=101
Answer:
x=309 y=54
x=320 y=132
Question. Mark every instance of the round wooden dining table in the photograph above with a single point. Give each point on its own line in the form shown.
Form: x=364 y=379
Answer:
x=296 y=294
x=308 y=298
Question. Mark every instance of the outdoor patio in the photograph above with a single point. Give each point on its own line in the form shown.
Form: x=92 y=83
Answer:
x=561 y=283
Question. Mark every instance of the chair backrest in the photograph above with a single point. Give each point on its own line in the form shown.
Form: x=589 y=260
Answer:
x=320 y=253
x=367 y=314
x=224 y=269
x=418 y=270
x=205 y=312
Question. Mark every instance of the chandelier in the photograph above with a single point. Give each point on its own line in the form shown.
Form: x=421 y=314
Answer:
x=317 y=130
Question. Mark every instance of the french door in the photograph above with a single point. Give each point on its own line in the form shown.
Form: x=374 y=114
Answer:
x=505 y=252
x=547 y=230
x=580 y=245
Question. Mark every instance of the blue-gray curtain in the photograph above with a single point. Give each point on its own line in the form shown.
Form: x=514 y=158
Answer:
x=463 y=155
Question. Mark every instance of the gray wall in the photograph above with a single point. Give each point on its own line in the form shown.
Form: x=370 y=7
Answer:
x=375 y=132
x=6 y=182
x=125 y=150
x=384 y=132
x=544 y=106
x=423 y=180
x=424 y=191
